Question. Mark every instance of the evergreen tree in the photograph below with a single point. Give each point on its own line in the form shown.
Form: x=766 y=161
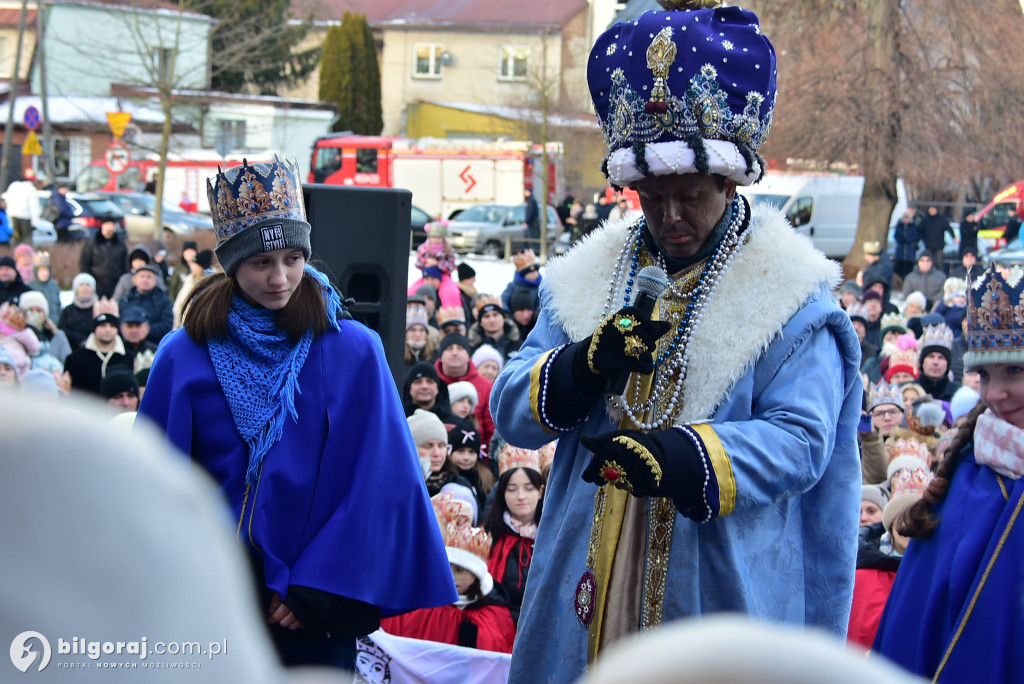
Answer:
x=254 y=45
x=350 y=76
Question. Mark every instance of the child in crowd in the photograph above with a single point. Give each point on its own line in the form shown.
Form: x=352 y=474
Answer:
x=488 y=361
x=437 y=251
x=464 y=438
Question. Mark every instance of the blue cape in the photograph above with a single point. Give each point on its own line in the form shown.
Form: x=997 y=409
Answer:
x=341 y=505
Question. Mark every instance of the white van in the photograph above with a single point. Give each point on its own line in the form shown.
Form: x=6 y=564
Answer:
x=822 y=207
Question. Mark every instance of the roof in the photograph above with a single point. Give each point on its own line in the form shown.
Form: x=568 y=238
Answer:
x=9 y=18
x=157 y=6
x=533 y=14
x=523 y=114
x=78 y=110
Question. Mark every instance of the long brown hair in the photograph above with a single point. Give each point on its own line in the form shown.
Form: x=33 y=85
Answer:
x=919 y=520
x=206 y=310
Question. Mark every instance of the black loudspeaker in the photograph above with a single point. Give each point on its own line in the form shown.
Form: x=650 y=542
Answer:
x=360 y=239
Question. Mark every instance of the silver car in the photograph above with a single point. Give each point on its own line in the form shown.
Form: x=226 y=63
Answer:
x=140 y=208
x=485 y=228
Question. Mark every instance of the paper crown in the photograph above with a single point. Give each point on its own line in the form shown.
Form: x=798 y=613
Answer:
x=511 y=457
x=547 y=454
x=416 y=315
x=873 y=247
x=892 y=321
x=859 y=311
x=884 y=393
x=895 y=448
x=995 y=320
x=448 y=509
x=524 y=258
x=472 y=540
x=687 y=90
x=254 y=193
x=903 y=360
x=910 y=481
x=41 y=258
x=936 y=336
x=486 y=300
x=12 y=317
x=451 y=314
x=105 y=306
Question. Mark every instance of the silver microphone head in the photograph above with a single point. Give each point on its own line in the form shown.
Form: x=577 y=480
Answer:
x=653 y=280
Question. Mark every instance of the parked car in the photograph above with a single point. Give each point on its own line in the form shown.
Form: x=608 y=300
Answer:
x=484 y=228
x=91 y=210
x=419 y=221
x=1010 y=255
x=139 y=209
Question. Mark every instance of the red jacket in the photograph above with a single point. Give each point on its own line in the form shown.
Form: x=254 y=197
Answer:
x=483 y=393
x=495 y=630
x=870 y=592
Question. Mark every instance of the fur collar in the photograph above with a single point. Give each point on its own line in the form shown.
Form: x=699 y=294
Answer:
x=772 y=274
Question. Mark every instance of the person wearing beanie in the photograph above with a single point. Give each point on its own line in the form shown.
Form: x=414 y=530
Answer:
x=420 y=344
x=872 y=500
x=76 y=318
x=139 y=256
x=878 y=268
x=24 y=259
x=454 y=365
x=903 y=362
x=950 y=598
x=102 y=351
x=423 y=389
x=282 y=398
x=40 y=384
x=523 y=306
x=464 y=440
x=488 y=361
x=145 y=295
x=437 y=254
x=42 y=281
x=906 y=240
x=480 y=619
x=936 y=345
x=467 y=289
x=698 y=88
x=200 y=266
x=53 y=343
x=526 y=280
x=463 y=398
x=849 y=292
x=189 y=250
x=430 y=436
x=134 y=332
x=8 y=369
x=493 y=327
x=121 y=390
x=105 y=257
x=925 y=278
x=11 y=284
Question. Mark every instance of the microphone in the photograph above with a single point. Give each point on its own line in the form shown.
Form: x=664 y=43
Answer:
x=650 y=283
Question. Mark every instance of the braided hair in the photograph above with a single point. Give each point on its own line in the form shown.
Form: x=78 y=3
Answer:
x=919 y=521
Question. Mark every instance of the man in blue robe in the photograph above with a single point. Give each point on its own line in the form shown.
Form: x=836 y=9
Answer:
x=731 y=483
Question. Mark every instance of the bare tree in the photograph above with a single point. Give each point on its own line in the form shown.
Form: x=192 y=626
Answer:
x=924 y=90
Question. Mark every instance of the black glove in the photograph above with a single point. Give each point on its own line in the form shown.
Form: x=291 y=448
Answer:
x=624 y=342
x=660 y=463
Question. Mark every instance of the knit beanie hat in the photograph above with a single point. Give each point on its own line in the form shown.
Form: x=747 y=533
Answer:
x=7 y=260
x=82 y=279
x=39 y=383
x=6 y=359
x=117 y=381
x=915 y=297
x=257 y=208
x=875 y=494
x=433 y=272
x=455 y=338
x=32 y=298
x=463 y=390
x=852 y=287
x=520 y=300
x=426 y=426
x=464 y=435
x=488 y=353
x=465 y=271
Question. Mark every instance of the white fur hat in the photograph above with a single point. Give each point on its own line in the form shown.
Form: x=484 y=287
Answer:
x=463 y=390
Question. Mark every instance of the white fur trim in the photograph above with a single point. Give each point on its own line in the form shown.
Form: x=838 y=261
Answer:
x=667 y=158
x=465 y=559
x=773 y=273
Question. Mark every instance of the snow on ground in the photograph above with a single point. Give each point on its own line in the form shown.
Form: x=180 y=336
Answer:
x=492 y=275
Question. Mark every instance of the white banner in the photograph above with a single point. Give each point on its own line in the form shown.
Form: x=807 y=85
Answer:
x=385 y=659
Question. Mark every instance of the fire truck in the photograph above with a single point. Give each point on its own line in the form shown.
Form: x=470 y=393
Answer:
x=444 y=175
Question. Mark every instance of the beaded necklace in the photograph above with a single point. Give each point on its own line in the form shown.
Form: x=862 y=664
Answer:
x=673 y=358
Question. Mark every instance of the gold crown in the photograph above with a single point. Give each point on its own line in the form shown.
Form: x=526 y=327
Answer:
x=448 y=509
x=525 y=258
x=474 y=540
x=907 y=447
x=511 y=457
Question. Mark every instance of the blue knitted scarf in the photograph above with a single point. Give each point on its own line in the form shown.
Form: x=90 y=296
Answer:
x=258 y=370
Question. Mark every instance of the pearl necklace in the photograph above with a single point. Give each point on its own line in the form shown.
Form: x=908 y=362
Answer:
x=673 y=359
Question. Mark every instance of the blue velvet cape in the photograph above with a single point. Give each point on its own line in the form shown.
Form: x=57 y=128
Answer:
x=958 y=599
x=341 y=505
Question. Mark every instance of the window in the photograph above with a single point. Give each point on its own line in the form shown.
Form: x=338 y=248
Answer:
x=230 y=134
x=800 y=213
x=513 y=63
x=366 y=160
x=428 y=60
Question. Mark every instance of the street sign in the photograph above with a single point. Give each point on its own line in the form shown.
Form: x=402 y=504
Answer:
x=31 y=145
x=32 y=120
x=117 y=121
x=116 y=158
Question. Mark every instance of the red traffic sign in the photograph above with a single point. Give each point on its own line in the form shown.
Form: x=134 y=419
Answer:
x=116 y=157
x=32 y=118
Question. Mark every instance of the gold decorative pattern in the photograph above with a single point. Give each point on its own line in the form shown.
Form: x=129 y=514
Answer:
x=634 y=347
x=618 y=473
x=645 y=455
x=660 y=526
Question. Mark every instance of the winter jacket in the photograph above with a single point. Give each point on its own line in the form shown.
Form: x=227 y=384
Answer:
x=50 y=290
x=12 y=292
x=157 y=307
x=76 y=323
x=906 y=237
x=106 y=261
x=507 y=345
x=483 y=393
x=930 y=284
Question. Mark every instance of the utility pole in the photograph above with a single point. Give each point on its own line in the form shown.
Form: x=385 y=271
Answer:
x=15 y=78
x=47 y=128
